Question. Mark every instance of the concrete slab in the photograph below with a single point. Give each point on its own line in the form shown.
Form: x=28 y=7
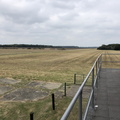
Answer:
x=108 y=95
x=52 y=85
x=24 y=94
x=100 y=118
x=114 y=112
x=46 y=85
x=4 y=89
x=9 y=81
x=36 y=84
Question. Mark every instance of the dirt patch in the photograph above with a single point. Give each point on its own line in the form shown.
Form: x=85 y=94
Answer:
x=24 y=94
x=9 y=81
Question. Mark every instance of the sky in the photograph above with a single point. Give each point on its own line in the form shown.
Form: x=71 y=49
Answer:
x=60 y=22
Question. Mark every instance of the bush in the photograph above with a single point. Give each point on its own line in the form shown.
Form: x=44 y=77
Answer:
x=109 y=47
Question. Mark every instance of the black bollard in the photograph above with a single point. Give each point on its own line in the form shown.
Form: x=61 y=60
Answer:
x=65 y=90
x=53 y=101
x=31 y=116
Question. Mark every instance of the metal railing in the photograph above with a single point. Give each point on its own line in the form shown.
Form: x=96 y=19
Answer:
x=95 y=72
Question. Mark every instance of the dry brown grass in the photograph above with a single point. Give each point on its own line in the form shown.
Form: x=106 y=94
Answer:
x=111 y=59
x=46 y=65
x=43 y=65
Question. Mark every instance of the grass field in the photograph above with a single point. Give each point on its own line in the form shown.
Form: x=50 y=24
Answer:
x=111 y=59
x=46 y=65
x=43 y=65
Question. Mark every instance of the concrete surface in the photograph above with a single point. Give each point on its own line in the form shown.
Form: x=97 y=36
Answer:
x=108 y=95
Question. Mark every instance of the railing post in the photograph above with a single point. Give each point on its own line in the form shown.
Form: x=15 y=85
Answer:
x=75 y=78
x=80 y=106
x=93 y=77
x=99 y=68
x=93 y=88
x=100 y=62
x=96 y=85
x=96 y=68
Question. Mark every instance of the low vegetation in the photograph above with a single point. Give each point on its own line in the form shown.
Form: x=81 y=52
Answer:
x=46 y=65
x=29 y=46
x=42 y=65
x=109 y=47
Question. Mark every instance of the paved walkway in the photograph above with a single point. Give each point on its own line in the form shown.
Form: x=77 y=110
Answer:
x=108 y=95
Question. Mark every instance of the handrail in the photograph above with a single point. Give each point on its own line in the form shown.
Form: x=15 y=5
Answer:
x=96 y=64
x=90 y=97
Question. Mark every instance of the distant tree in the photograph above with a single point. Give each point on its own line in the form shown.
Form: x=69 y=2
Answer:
x=109 y=47
x=117 y=47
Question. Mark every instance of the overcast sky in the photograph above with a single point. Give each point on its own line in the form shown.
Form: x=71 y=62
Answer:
x=60 y=22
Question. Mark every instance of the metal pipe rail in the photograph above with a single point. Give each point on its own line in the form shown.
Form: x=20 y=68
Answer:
x=78 y=96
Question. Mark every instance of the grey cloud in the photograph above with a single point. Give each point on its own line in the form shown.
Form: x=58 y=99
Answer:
x=60 y=22
x=63 y=4
x=27 y=14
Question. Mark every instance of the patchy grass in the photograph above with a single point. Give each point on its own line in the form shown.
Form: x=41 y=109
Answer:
x=111 y=61
x=42 y=111
x=43 y=65
x=46 y=65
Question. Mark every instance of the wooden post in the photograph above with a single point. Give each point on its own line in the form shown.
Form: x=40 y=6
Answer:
x=53 y=101
x=31 y=116
x=65 y=89
x=75 y=78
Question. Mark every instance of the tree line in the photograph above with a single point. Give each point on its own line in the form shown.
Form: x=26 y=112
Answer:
x=31 y=46
x=15 y=46
x=109 y=47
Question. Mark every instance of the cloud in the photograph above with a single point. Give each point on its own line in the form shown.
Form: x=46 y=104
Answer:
x=23 y=12
x=60 y=22
x=62 y=4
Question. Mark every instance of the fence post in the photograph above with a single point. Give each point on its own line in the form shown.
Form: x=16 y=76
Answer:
x=100 y=62
x=53 y=101
x=93 y=88
x=96 y=68
x=75 y=78
x=97 y=74
x=65 y=89
x=80 y=106
x=31 y=116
